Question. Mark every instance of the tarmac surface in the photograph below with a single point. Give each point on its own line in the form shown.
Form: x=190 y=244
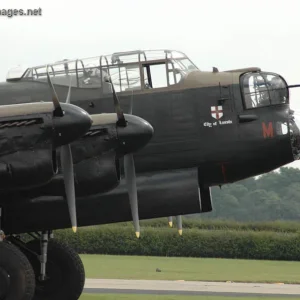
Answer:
x=181 y=287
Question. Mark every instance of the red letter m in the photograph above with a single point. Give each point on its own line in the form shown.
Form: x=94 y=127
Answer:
x=267 y=131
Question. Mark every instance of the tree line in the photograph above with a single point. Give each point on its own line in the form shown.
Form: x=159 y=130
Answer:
x=269 y=197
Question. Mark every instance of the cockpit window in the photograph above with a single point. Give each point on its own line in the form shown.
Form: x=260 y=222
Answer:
x=128 y=71
x=263 y=89
x=125 y=78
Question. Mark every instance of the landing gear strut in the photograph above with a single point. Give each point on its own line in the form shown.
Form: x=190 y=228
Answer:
x=43 y=256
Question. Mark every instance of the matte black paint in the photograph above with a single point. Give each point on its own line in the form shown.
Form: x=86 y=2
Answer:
x=160 y=194
x=222 y=153
x=28 y=140
x=95 y=175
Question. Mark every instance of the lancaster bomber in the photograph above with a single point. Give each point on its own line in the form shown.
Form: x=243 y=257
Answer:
x=128 y=136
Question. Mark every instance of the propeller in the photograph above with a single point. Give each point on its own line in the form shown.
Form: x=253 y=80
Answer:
x=68 y=173
x=129 y=168
x=121 y=119
x=66 y=158
x=58 y=112
x=130 y=176
x=179 y=224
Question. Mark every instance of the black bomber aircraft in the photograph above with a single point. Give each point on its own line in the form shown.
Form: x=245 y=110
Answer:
x=150 y=113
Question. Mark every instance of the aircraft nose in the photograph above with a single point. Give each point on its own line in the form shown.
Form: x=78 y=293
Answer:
x=295 y=134
x=297 y=120
x=135 y=135
x=73 y=125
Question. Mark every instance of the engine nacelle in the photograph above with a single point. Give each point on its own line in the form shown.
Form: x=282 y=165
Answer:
x=97 y=174
x=93 y=176
x=26 y=169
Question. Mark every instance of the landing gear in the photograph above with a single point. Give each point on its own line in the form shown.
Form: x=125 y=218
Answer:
x=17 y=281
x=42 y=269
x=64 y=277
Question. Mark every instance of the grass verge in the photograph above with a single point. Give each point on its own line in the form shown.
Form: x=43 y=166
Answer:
x=177 y=268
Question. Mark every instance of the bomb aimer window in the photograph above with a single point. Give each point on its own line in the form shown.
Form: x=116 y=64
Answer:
x=263 y=89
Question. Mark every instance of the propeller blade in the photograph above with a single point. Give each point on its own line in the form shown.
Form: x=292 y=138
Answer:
x=65 y=156
x=129 y=169
x=121 y=119
x=68 y=100
x=68 y=173
x=132 y=191
x=58 y=112
x=179 y=224
x=130 y=105
x=170 y=221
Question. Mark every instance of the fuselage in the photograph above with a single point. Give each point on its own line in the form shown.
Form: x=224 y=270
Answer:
x=187 y=133
x=230 y=125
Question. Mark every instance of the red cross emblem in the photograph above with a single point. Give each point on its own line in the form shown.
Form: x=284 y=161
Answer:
x=217 y=112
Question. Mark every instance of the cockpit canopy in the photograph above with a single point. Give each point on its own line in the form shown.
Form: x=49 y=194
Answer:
x=263 y=89
x=133 y=70
x=16 y=73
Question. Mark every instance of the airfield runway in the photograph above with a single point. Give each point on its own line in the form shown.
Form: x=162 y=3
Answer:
x=180 y=287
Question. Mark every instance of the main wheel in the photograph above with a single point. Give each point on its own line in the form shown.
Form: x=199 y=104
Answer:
x=65 y=274
x=17 y=280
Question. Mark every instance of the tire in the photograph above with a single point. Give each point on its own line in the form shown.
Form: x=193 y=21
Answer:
x=17 y=280
x=64 y=272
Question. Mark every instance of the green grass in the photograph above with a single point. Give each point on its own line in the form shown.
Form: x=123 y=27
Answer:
x=176 y=268
x=170 y=297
